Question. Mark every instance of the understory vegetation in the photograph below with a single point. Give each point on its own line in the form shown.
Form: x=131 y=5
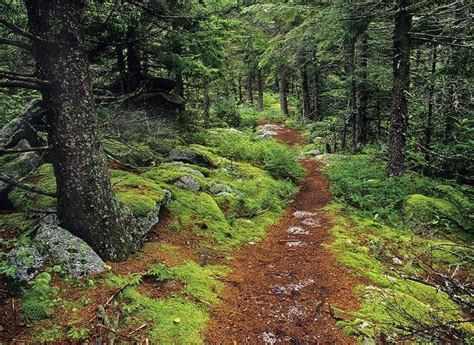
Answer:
x=410 y=237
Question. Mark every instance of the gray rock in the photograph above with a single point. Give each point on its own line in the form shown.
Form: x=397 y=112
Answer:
x=312 y=153
x=22 y=127
x=219 y=188
x=19 y=168
x=145 y=224
x=62 y=248
x=188 y=182
x=187 y=156
x=27 y=261
x=191 y=171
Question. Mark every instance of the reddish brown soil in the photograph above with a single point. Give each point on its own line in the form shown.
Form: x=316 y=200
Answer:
x=279 y=292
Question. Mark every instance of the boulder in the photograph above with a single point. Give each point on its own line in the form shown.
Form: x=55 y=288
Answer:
x=190 y=157
x=19 y=167
x=22 y=127
x=188 y=182
x=57 y=246
x=145 y=224
x=312 y=153
x=62 y=248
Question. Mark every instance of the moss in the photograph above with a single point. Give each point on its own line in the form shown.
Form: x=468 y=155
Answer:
x=138 y=193
x=200 y=281
x=424 y=210
x=172 y=321
x=136 y=154
x=53 y=333
x=169 y=173
x=367 y=247
x=43 y=178
x=16 y=221
x=38 y=301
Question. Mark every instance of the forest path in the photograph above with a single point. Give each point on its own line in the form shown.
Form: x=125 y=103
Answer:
x=283 y=288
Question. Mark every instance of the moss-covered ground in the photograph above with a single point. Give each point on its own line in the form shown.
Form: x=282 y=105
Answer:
x=166 y=291
x=402 y=234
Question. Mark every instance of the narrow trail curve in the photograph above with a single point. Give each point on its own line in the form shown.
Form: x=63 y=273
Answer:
x=275 y=290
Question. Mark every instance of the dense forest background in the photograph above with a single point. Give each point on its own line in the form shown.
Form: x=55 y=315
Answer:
x=98 y=98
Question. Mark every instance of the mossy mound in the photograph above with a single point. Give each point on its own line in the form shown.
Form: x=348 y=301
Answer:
x=138 y=193
x=132 y=153
x=429 y=211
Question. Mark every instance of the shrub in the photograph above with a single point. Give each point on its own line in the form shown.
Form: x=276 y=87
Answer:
x=225 y=112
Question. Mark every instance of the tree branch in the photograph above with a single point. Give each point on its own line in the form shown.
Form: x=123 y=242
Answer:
x=15 y=43
x=19 y=31
x=17 y=77
x=23 y=149
x=19 y=84
x=31 y=189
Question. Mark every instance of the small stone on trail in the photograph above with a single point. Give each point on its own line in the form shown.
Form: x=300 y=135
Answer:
x=269 y=338
x=297 y=230
x=397 y=261
x=295 y=243
x=303 y=214
x=314 y=223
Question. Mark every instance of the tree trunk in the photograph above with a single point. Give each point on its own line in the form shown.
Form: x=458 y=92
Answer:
x=121 y=68
x=352 y=90
x=260 y=88
x=133 y=61
x=206 y=103
x=250 y=87
x=86 y=204
x=401 y=83
x=241 y=96
x=305 y=95
x=317 y=113
x=429 y=115
x=283 y=90
x=362 y=94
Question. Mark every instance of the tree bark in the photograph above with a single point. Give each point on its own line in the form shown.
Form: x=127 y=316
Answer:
x=401 y=83
x=260 y=87
x=317 y=113
x=429 y=114
x=121 y=68
x=241 y=96
x=250 y=87
x=133 y=60
x=305 y=94
x=362 y=93
x=86 y=204
x=283 y=89
x=206 y=103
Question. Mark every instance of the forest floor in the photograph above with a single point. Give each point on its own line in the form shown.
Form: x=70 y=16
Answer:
x=285 y=287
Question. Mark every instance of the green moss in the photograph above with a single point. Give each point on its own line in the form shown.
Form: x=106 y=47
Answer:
x=138 y=193
x=169 y=173
x=424 y=210
x=43 y=178
x=200 y=281
x=50 y=334
x=172 y=321
x=38 y=301
x=16 y=222
x=133 y=153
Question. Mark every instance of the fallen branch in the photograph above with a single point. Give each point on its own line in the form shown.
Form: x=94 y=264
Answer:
x=24 y=149
x=12 y=181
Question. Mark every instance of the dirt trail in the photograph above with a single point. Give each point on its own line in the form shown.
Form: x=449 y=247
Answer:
x=281 y=289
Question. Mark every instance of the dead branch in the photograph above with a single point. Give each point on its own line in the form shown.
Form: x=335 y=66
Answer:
x=31 y=189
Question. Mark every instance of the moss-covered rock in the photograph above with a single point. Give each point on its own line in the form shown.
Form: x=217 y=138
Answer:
x=136 y=154
x=139 y=193
x=424 y=210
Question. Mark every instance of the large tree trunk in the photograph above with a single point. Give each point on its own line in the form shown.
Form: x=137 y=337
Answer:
x=401 y=83
x=362 y=93
x=352 y=90
x=305 y=95
x=260 y=87
x=86 y=203
x=283 y=89
x=121 y=67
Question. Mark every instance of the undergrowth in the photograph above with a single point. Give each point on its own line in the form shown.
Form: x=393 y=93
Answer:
x=399 y=232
